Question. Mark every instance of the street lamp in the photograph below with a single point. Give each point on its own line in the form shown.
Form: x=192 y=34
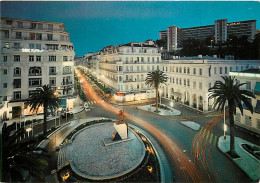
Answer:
x=28 y=130
x=225 y=126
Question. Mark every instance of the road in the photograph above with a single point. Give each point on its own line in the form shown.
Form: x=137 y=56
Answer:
x=215 y=167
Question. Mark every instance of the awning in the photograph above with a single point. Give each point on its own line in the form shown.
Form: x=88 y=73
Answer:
x=257 y=107
x=245 y=106
x=257 y=88
x=177 y=94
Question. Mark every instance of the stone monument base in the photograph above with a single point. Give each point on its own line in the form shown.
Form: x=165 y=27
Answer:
x=109 y=141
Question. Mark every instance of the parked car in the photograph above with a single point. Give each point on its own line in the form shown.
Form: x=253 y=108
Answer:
x=69 y=114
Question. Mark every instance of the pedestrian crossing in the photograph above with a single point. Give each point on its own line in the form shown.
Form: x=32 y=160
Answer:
x=208 y=136
x=93 y=102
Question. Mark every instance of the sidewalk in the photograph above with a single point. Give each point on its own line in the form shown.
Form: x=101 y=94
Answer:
x=247 y=162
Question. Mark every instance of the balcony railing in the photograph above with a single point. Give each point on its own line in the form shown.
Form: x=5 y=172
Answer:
x=52 y=73
x=17 y=75
x=67 y=72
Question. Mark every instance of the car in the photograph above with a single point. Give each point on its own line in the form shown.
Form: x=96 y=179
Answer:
x=69 y=114
x=86 y=106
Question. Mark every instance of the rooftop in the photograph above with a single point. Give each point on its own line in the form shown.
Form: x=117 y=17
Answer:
x=255 y=71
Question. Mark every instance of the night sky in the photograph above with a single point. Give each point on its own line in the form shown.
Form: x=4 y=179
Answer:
x=94 y=25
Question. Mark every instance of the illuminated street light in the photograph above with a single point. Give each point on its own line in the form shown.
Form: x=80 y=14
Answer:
x=28 y=130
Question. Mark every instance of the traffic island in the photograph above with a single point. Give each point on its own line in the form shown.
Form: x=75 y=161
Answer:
x=163 y=110
x=246 y=161
x=84 y=157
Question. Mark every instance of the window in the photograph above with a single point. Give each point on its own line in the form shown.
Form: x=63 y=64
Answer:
x=184 y=70
x=5 y=71
x=200 y=72
x=142 y=59
x=67 y=69
x=188 y=70
x=53 y=81
x=215 y=70
x=4 y=98
x=188 y=82
x=38 y=46
x=17 y=95
x=50 y=27
x=38 y=58
x=35 y=71
x=52 y=70
x=194 y=84
x=180 y=81
x=148 y=59
x=65 y=58
x=6 y=34
x=158 y=59
x=200 y=85
x=18 y=35
x=20 y=24
x=52 y=47
x=248 y=120
x=17 y=45
x=31 y=58
x=220 y=70
x=17 y=83
x=33 y=25
x=225 y=70
x=52 y=58
x=32 y=36
x=35 y=82
x=5 y=85
x=209 y=85
x=153 y=59
x=38 y=36
x=49 y=37
x=5 y=58
x=40 y=26
x=194 y=70
x=31 y=92
x=17 y=71
x=184 y=82
x=17 y=58
x=31 y=46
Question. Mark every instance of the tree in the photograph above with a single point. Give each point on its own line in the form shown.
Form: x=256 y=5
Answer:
x=19 y=157
x=154 y=79
x=45 y=96
x=229 y=91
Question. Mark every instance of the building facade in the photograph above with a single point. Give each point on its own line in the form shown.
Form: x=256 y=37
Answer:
x=219 y=32
x=33 y=53
x=252 y=79
x=191 y=77
x=124 y=69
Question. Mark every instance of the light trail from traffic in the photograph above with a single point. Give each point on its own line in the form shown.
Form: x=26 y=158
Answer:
x=186 y=169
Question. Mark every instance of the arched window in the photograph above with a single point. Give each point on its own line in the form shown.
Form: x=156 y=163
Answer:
x=35 y=71
x=17 y=71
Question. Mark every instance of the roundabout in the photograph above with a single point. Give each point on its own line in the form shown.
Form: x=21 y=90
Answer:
x=90 y=158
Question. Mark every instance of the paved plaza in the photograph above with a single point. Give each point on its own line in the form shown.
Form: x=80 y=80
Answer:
x=90 y=158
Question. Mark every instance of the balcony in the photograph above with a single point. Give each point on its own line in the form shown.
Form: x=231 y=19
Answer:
x=67 y=72
x=52 y=73
x=67 y=83
x=34 y=74
x=17 y=75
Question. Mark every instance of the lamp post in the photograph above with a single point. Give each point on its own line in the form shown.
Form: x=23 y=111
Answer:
x=225 y=127
x=28 y=130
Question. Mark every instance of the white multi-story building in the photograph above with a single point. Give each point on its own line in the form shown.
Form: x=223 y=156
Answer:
x=33 y=53
x=125 y=67
x=252 y=79
x=191 y=77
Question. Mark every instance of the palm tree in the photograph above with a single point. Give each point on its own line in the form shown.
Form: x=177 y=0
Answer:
x=154 y=79
x=19 y=157
x=45 y=96
x=230 y=91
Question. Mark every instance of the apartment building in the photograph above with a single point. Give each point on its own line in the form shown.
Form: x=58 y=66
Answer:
x=124 y=69
x=219 y=32
x=252 y=79
x=33 y=53
x=191 y=77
